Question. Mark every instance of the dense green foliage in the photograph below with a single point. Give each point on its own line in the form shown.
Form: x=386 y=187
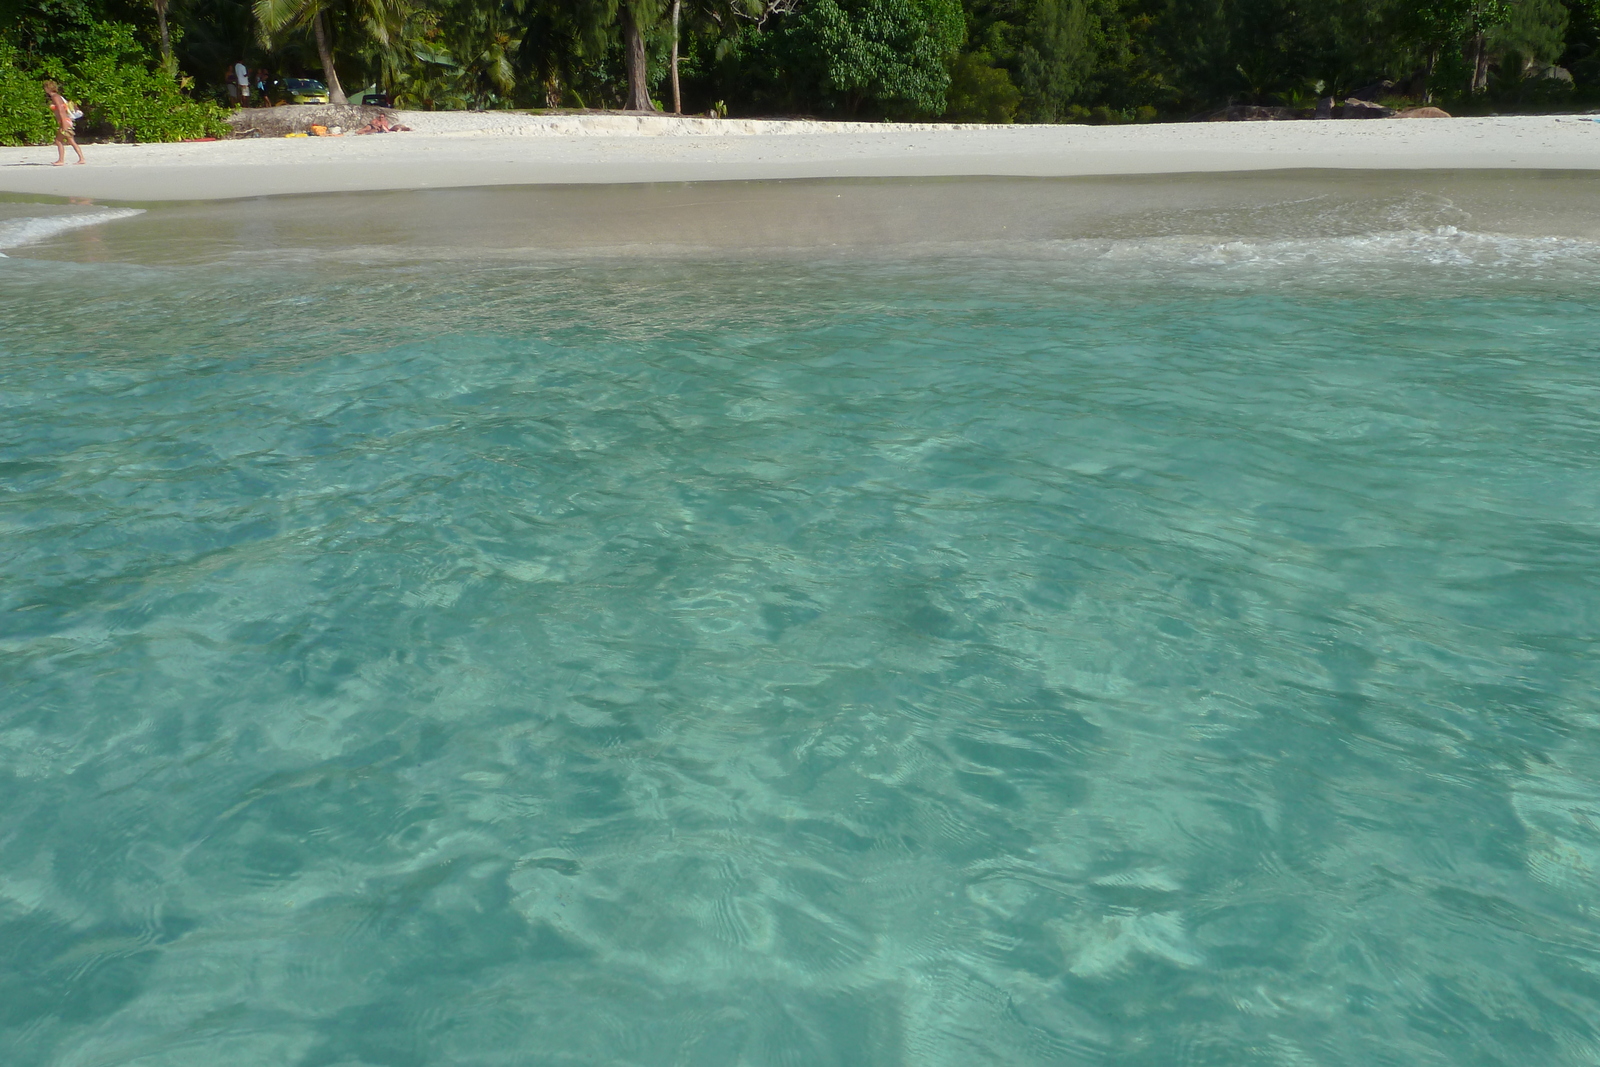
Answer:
x=23 y=116
x=891 y=53
x=965 y=60
x=105 y=67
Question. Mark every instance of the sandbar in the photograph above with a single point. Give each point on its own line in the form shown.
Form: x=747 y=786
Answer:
x=464 y=150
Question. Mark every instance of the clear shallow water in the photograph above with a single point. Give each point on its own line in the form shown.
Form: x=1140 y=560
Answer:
x=1139 y=652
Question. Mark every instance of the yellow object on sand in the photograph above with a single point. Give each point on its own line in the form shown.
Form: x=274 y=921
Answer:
x=297 y=135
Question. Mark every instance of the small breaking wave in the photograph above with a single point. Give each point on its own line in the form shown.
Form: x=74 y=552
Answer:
x=31 y=229
x=1441 y=246
x=1419 y=260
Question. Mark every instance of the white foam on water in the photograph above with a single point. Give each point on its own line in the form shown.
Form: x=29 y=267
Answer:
x=1410 y=260
x=1440 y=246
x=30 y=229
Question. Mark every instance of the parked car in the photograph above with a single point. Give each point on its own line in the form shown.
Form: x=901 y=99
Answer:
x=376 y=100
x=303 y=91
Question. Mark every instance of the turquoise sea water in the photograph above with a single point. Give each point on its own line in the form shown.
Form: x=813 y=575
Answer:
x=1168 y=651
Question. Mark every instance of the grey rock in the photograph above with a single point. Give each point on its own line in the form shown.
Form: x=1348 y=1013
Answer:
x=299 y=118
x=1363 y=109
x=1558 y=74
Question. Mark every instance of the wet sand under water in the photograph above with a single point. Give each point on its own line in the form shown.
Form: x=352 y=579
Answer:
x=842 y=216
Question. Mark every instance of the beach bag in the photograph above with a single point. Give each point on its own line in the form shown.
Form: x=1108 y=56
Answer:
x=74 y=110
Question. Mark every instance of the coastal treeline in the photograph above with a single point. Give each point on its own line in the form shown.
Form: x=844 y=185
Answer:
x=158 y=68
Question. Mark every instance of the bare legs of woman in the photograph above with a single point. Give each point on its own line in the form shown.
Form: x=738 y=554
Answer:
x=64 y=138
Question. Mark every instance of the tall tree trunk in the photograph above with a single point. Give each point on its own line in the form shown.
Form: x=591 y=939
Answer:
x=166 y=38
x=638 y=71
x=1480 y=63
x=677 y=98
x=324 y=53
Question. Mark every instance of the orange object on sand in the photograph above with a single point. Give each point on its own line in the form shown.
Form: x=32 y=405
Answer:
x=319 y=131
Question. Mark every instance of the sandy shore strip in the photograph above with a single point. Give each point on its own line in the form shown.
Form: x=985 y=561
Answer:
x=457 y=150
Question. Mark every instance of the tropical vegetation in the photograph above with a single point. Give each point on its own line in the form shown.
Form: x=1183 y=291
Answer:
x=156 y=69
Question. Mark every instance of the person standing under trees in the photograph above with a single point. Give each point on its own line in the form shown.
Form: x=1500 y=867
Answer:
x=66 y=113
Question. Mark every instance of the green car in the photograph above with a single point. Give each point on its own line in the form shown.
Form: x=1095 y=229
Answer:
x=304 y=91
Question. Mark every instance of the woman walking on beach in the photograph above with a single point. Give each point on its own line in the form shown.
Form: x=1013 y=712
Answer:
x=66 y=114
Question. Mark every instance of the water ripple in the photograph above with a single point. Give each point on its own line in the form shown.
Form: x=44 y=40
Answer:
x=944 y=663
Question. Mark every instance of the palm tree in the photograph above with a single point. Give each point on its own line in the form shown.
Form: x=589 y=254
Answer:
x=276 y=16
x=637 y=16
x=639 y=13
x=483 y=36
x=677 y=95
x=563 y=40
x=377 y=22
x=166 y=37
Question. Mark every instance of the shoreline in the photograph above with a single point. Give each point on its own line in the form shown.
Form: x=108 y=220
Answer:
x=1451 y=214
x=482 y=149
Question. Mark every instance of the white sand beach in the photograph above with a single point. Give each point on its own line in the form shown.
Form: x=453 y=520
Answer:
x=457 y=150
